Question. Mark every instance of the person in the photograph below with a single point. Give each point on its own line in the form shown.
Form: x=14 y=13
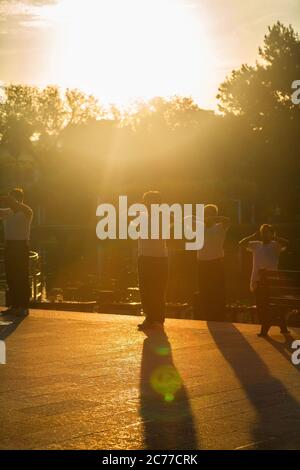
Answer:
x=211 y=275
x=152 y=273
x=265 y=247
x=17 y=218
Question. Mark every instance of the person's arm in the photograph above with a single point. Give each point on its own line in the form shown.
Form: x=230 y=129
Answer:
x=6 y=211
x=19 y=207
x=219 y=219
x=244 y=242
x=283 y=242
x=225 y=221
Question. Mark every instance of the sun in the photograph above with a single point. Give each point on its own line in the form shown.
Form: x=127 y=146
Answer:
x=124 y=49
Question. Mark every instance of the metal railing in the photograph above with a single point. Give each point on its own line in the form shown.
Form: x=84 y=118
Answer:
x=35 y=276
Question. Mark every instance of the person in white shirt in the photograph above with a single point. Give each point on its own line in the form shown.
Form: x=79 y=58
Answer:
x=16 y=217
x=211 y=275
x=265 y=247
x=152 y=274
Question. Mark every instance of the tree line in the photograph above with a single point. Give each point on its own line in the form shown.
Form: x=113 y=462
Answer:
x=66 y=144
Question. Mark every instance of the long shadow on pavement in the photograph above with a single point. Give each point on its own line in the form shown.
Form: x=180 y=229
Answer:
x=164 y=403
x=12 y=324
x=284 y=348
x=278 y=412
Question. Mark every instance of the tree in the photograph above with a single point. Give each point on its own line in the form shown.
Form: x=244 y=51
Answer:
x=52 y=113
x=81 y=107
x=260 y=96
x=264 y=89
x=163 y=113
x=18 y=117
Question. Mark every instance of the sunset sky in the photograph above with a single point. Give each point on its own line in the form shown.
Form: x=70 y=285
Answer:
x=124 y=49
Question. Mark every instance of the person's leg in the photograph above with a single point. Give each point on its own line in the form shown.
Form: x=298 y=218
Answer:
x=23 y=287
x=283 y=323
x=159 y=284
x=263 y=311
x=203 y=290
x=211 y=290
x=144 y=285
x=165 y=278
x=217 y=291
x=10 y=273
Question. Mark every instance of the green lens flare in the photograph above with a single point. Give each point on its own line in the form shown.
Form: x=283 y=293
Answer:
x=163 y=350
x=166 y=381
x=169 y=398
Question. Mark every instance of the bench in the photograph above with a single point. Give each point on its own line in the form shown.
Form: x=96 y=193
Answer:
x=279 y=291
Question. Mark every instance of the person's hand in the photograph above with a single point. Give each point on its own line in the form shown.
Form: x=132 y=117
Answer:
x=210 y=218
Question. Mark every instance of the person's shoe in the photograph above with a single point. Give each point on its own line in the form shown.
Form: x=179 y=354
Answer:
x=262 y=335
x=9 y=311
x=285 y=331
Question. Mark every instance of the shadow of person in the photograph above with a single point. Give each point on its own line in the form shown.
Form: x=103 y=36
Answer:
x=278 y=412
x=164 y=404
x=284 y=347
x=9 y=324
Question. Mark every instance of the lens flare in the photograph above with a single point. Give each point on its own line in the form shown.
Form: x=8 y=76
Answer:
x=163 y=351
x=166 y=381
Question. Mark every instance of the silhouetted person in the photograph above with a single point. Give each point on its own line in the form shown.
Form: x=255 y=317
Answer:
x=152 y=273
x=211 y=276
x=265 y=247
x=17 y=218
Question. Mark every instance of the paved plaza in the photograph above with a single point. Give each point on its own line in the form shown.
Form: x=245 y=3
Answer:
x=92 y=381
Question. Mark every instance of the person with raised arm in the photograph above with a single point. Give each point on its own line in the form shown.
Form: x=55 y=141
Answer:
x=17 y=218
x=211 y=274
x=152 y=273
x=265 y=247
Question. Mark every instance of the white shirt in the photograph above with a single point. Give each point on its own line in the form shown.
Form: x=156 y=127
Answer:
x=16 y=225
x=214 y=238
x=265 y=256
x=149 y=247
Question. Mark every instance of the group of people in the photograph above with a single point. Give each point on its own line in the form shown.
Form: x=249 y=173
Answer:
x=153 y=269
x=152 y=263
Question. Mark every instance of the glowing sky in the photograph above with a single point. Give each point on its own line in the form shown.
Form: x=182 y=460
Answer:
x=124 y=49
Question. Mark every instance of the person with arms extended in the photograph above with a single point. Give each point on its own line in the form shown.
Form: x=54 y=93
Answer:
x=265 y=247
x=17 y=218
x=211 y=275
x=152 y=273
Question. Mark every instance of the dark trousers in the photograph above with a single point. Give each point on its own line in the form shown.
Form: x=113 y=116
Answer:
x=153 y=278
x=16 y=261
x=268 y=316
x=211 y=288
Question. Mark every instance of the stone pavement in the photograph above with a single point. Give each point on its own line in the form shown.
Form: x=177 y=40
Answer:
x=92 y=381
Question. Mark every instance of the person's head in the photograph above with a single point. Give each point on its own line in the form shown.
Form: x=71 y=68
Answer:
x=211 y=210
x=267 y=232
x=17 y=194
x=152 y=197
